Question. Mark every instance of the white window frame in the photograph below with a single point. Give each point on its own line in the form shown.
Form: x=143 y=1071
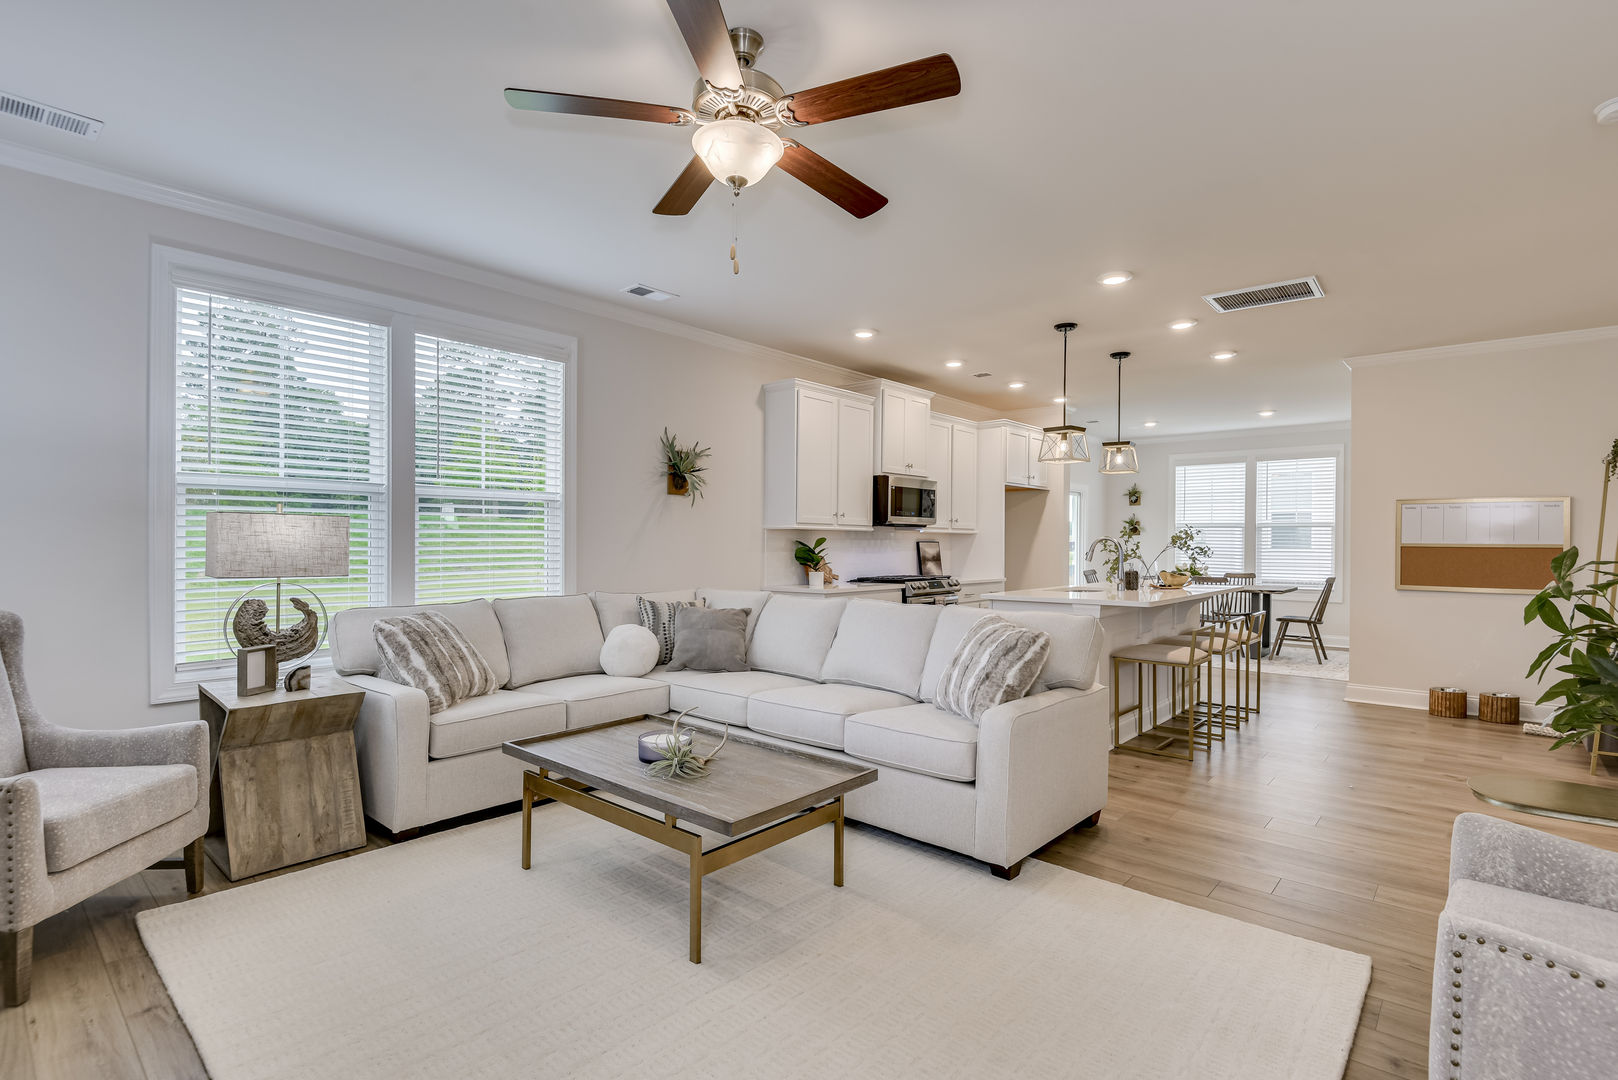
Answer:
x=1250 y=521
x=173 y=268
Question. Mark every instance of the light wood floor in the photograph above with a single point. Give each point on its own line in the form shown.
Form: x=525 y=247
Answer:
x=1322 y=819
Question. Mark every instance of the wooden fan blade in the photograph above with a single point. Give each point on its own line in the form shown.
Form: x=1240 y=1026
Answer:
x=702 y=24
x=907 y=84
x=858 y=198
x=687 y=188
x=584 y=105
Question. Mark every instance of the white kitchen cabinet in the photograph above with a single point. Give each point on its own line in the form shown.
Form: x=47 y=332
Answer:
x=903 y=421
x=818 y=448
x=952 y=450
x=1023 y=467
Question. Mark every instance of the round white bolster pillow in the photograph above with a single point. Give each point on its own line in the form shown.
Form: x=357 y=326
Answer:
x=630 y=650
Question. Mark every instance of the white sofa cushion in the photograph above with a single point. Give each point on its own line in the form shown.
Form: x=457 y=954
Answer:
x=953 y=623
x=720 y=695
x=917 y=738
x=793 y=635
x=1077 y=645
x=87 y=811
x=619 y=609
x=549 y=637
x=881 y=645
x=353 y=647
x=595 y=699
x=814 y=713
x=752 y=599
x=482 y=723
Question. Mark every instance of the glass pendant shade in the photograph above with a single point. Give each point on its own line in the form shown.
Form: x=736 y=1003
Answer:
x=1064 y=445
x=1119 y=457
x=737 y=152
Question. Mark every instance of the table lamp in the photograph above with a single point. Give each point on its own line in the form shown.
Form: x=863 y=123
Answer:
x=262 y=546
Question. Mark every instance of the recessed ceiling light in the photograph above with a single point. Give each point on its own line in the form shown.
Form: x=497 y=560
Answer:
x=1059 y=400
x=953 y=363
x=1115 y=277
x=864 y=334
x=1150 y=423
x=1266 y=412
x=1182 y=324
x=1224 y=354
x=1016 y=385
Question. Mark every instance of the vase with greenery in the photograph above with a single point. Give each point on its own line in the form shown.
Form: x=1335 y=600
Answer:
x=812 y=557
x=1193 y=555
x=685 y=466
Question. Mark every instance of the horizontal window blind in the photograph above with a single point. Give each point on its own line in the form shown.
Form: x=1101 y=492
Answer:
x=1296 y=516
x=1212 y=497
x=490 y=441
x=275 y=407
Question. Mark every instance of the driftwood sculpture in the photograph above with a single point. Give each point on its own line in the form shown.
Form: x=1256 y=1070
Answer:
x=295 y=641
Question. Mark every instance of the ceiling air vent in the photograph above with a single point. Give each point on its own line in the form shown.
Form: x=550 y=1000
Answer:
x=1278 y=292
x=60 y=119
x=982 y=374
x=646 y=292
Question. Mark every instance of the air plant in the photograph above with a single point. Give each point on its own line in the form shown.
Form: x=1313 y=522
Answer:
x=680 y=760
x=685 y=466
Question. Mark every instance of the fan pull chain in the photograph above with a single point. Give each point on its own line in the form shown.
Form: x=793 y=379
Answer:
x=735 y=267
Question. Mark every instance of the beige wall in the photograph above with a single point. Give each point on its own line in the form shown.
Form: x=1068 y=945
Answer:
x=1530 y=417
x=75 y=264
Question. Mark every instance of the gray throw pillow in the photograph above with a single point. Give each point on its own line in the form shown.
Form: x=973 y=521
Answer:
x=997 y=661
x=658 y=617
x=429 y=652
x=710 y=639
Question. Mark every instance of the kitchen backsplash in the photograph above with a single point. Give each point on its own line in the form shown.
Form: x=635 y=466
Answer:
x=859 y=554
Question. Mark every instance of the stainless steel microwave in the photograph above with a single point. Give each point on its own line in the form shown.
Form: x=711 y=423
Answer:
x=904 y=502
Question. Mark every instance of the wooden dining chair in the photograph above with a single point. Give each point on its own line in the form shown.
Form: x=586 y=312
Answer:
x=1310 y=624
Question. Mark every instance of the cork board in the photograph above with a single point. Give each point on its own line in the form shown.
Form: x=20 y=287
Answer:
x=1479 y=545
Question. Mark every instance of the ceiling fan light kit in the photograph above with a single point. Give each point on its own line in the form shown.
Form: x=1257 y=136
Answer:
x=1119 y=457
x=1064 y=444
x=737 y=152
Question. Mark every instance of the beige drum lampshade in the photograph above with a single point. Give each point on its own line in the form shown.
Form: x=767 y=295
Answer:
x=264 y=546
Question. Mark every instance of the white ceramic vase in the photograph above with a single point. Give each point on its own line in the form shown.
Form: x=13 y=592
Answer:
x=817 y=579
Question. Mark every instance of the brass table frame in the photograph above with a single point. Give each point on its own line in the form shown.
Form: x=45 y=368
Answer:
x=542 y=785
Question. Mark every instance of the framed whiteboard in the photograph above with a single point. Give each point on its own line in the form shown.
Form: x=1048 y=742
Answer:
x=1479 y=545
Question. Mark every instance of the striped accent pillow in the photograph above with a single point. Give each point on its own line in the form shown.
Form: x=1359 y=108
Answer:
x=997 y=661
x=658 y=617
x=427 y=651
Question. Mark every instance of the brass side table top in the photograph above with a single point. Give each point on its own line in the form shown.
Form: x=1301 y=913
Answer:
x=1549 y=798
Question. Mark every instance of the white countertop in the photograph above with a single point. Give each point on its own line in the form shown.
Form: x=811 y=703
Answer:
x=1101 y=596
x=840 y=589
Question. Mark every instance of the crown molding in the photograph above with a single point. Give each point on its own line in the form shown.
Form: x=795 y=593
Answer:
x=74 y=171
x=1438 y=352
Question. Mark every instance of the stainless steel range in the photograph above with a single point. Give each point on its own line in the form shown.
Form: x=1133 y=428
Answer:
x=919 y=588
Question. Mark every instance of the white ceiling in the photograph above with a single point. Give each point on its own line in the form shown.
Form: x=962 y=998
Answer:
x=1436 y=164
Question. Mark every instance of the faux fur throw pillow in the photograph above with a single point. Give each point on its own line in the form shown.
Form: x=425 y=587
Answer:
x=429 y=652
x=996 y=662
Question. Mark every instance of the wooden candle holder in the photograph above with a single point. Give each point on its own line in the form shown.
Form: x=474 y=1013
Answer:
x=1446 y=701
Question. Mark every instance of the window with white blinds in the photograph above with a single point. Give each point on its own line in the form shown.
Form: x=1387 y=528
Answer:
x=1212 y=498
x=274 y=407
x=1296 y=519
x=490 y=439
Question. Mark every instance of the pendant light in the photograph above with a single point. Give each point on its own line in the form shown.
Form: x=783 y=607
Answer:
x=1119 y=456
x=1064 y=444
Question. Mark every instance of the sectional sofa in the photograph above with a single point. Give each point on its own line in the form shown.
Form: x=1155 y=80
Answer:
x=852 y=678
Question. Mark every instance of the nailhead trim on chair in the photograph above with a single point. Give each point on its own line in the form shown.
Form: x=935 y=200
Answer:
x=1455 y=1047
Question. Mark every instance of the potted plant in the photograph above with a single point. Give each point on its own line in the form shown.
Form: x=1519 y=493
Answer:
x=1131 y=526
x=685 y=467
x=1586 y=636
x=812 y=557
x=1133 y=494
x=1124 y=551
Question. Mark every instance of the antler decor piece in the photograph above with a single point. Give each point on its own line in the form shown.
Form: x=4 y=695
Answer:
x=680 y=761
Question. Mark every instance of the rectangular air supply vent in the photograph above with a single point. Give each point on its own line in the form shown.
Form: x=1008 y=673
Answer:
x=646 y=292
x=60 y=119
x=1279 y=292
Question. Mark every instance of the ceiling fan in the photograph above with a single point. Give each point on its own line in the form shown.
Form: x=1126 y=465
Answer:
x=738 y=109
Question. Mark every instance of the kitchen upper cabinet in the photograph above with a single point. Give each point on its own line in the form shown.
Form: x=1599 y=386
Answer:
x=903 y=421
x=1023 y=467
x=818 y=446
x=952 y=449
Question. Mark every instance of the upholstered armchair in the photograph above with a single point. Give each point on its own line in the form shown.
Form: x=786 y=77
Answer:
x=81 y=810
x=1526 y=978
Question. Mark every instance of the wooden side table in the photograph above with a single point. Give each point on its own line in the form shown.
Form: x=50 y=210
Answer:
x=286 y=782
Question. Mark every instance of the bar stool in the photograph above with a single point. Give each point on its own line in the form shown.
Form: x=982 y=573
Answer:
x=1185 y=663
x=1243 y=633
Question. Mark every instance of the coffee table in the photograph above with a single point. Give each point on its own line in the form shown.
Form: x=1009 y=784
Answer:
x=759 y=795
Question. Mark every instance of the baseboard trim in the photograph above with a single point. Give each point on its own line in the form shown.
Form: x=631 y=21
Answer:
x=1400 y=698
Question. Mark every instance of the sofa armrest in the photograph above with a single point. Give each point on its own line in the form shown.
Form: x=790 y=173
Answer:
x=183 y=743
x=1042 y=769
x=24 y=890
x=1512 y=856
x=390 y=738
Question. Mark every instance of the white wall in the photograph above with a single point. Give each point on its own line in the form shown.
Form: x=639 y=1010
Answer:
x=74 y=294
x=1156 y=511
x=1529 y=417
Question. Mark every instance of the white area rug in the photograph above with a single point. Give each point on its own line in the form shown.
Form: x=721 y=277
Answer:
x=443 y=958
x=1298 y=658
